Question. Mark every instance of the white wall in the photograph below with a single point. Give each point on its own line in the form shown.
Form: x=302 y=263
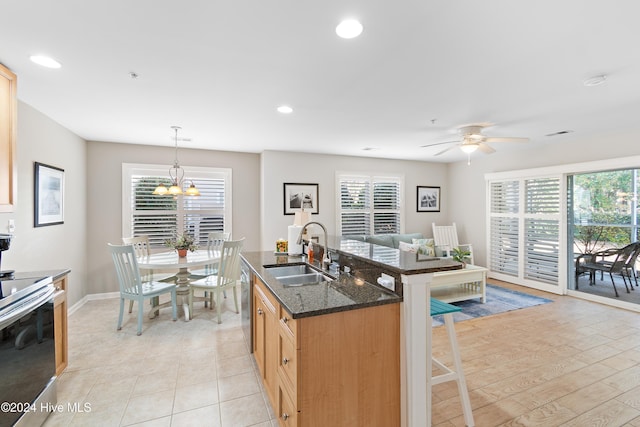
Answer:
x=280 y=167
x=468 y=208
x=57 y=246
x=104 y=200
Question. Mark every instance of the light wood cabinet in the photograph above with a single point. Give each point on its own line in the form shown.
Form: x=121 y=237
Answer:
x=60 y=324
x=338 y=369
x=265 y=337
x=8 y=132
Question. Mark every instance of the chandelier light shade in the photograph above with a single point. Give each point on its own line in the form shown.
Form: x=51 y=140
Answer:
x=176 y=173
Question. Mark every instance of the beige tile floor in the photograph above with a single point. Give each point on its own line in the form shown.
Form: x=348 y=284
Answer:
x=567 y=363
x=196 y=373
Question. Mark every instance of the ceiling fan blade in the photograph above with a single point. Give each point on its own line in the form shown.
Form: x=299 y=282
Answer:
x=505 y=139
x=485 y=148
x=445 y=150
x=438 y=143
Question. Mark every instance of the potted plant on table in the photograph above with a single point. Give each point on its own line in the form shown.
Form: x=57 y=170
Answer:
x=182 y=243
x=460 y=255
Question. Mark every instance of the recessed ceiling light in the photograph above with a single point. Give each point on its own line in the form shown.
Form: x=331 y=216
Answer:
x=369 y=149
x=349 y=29
x=285 y=109
x=45 y=61
x=595 y=80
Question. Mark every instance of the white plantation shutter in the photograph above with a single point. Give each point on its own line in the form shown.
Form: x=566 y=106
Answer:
x=524 y=229
x=369 y=204
x=161 y=217
x=542 y=229
x=505 y=245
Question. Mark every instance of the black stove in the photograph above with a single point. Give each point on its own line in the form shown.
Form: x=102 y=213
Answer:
x=27 y=349
x=22 y=294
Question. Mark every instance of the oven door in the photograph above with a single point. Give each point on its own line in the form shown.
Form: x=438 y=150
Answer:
x=27 y=362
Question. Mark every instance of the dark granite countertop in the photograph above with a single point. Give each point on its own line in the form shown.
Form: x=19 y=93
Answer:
x=55 y=274
x=344 y=293
x=391 y=259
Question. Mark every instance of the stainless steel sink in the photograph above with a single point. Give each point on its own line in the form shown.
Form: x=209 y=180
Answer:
x=304 y=279
x=298 y=275
x=291 y=270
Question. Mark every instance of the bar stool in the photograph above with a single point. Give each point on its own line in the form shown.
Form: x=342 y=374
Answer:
x=456 y=374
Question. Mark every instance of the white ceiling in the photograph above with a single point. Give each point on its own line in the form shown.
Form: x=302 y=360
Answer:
x=419 y=70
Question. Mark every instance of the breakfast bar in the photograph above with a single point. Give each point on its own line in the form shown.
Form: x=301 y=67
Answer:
x=335 y=347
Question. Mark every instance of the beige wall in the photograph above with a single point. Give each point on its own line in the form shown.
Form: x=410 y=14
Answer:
x=279 y=167
x=467 y=209
x=104 y=210
x=57 y=246
x=93 y=205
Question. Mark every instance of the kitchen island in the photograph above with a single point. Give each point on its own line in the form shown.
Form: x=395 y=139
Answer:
x=329 y=353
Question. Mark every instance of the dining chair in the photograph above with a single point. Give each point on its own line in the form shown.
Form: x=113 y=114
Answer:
x=132 y=287
x=142 y=248
x=227 y=277
x=215 y=239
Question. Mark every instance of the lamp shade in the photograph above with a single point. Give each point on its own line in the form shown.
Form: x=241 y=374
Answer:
x=161 y=190
x=301 y=217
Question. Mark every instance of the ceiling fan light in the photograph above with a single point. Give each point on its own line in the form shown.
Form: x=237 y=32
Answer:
x=469 y=148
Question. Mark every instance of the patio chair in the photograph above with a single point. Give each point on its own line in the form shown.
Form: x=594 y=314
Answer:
x=619 y=265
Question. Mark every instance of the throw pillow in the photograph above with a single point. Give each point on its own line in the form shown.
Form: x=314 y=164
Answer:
x=426 y=246
x=408 y=247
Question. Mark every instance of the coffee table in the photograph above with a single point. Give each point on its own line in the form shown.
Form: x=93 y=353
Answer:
x=460 y=285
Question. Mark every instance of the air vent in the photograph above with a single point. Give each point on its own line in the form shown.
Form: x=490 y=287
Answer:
x=562 y=132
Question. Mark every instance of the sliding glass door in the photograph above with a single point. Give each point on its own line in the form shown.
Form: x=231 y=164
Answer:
x=602 y=214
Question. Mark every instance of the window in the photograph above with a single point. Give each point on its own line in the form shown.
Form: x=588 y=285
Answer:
x=369 y=204
x=161 y=217
x=524 y=231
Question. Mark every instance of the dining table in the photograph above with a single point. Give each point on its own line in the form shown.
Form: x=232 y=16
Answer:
x=169 y=260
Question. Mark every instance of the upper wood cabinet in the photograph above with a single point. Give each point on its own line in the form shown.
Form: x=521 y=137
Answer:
x=8 y=132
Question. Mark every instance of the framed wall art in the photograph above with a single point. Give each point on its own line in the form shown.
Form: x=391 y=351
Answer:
x=428 y=199
x=48 y=195
x=300 y=196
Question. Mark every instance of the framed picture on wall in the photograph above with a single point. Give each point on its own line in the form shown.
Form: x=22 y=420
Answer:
x=300 y=196
x=48 y=195
x=428 y=199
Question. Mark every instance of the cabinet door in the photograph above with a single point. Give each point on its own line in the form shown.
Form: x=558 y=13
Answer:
x=259 y=317
x=266 y=338
x=8 y=123
x=60 y=330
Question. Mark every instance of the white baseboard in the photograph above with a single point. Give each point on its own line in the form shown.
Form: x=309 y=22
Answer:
x=93 y=297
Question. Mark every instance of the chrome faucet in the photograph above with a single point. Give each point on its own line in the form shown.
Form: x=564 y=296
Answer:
x=326 y=260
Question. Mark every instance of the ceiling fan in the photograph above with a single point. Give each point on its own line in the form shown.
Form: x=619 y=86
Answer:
x=471 y=139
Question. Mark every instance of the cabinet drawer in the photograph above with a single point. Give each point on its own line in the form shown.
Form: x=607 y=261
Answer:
x=288 y=325
x=287 y=412
x=288 y=364
x=260 y=290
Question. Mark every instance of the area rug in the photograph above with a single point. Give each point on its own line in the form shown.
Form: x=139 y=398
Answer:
x=499 y=300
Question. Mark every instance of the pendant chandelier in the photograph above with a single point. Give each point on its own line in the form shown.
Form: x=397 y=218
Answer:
x=176 y=173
